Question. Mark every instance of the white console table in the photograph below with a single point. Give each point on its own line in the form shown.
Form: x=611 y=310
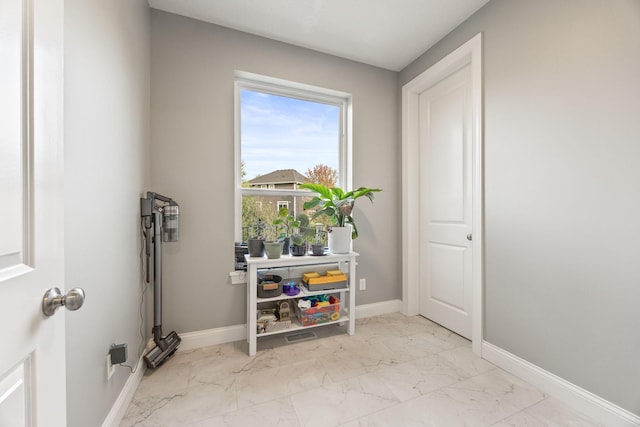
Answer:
x=344 y=262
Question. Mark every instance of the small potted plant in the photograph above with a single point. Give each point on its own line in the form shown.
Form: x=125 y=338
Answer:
x=317 y=242
x=285 y=223
x=273 y=244
x=298 y=244
x=337 y=204
x=255 y=242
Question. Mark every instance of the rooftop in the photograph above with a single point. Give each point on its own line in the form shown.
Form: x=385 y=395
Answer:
x=280 y=177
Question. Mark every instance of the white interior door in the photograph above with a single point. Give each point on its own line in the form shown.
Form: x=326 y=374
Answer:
x=445 y=210
x=32 y=359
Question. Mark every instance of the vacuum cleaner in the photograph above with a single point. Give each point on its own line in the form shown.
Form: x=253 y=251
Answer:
x=160 y=214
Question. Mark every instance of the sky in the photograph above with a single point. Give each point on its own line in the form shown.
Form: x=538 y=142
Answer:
x=286 y=133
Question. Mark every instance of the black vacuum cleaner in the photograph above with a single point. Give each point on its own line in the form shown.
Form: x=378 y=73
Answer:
x=159 y=213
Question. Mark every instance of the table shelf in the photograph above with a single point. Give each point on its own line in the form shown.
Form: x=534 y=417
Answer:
x=297 y=326
x=345 y=262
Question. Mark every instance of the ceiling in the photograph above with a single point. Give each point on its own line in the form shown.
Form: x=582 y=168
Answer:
x=385 y=33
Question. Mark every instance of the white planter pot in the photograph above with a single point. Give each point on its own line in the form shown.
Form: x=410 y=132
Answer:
x=340 y=240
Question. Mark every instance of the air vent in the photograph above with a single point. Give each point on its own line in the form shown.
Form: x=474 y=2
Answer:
x=301 y=336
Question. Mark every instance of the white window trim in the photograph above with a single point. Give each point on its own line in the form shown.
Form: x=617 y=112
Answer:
x=251 y=81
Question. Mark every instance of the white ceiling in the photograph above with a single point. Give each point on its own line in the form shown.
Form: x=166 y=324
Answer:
x=385 y=33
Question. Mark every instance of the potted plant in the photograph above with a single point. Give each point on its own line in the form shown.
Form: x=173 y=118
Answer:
x=298 y=244
x=273 y=243
x=317 y=245
x=255 y=242
x=285 y=224
x=317 y=240
x=337 y=204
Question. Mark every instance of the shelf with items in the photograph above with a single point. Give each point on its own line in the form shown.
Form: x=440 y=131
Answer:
x=296 y=326
x=304 y=292
x=292 y=267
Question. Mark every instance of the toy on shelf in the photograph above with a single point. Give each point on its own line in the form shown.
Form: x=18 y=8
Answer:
x=318 y=309
x=291 y=289
x=333 y=279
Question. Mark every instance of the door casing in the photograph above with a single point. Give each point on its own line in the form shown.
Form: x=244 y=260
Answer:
x=470 y=53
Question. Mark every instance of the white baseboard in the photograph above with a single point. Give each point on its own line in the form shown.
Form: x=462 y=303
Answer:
x=191 y=340
x=576 y=397
x=378 y=308
x=119 y=408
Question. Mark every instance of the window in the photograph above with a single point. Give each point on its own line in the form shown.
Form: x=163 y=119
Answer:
x=286 y=134
x=283 y=205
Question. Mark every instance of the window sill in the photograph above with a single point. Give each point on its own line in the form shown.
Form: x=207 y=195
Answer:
x=238 y=277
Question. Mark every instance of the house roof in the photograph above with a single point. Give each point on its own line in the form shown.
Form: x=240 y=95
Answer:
x=284 y=176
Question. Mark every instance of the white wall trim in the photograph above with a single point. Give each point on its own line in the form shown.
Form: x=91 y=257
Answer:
x=205 y=338
x=378 y=308
x=469 y=53
x=208 y=337
x=119 y=408
x=238 y=277
x=576 y=397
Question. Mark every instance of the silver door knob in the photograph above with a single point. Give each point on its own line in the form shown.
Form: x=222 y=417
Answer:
x=469 y=237
x=53 y=299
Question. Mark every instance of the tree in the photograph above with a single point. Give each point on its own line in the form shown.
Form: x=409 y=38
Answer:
x=253 y=213
x=327 y=176
x=244 y=182
x=323 y=174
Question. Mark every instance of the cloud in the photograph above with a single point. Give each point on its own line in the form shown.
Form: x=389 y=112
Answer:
x=286 y=133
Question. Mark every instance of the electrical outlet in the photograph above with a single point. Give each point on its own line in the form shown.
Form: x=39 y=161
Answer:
x=118 y=353
x=110 y=368
x=363 y=284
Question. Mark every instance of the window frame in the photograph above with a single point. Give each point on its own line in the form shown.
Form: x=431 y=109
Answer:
x=283 y=204
x=274 y=86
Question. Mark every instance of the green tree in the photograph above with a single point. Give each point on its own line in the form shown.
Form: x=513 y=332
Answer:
x=243 y=174
x=254 y=211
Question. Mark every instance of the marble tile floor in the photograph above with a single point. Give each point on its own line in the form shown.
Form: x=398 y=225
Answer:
x=395 y=371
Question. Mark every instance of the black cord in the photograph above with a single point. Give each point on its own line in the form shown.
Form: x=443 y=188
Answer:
x=127 y=366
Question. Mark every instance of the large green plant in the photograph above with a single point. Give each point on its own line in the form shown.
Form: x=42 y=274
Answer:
x=336 y=203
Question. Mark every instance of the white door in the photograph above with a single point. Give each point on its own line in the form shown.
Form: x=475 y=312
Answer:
x=445 y=210
x=32 y=358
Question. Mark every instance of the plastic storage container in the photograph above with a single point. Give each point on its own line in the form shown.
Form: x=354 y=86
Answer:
x=318 y=315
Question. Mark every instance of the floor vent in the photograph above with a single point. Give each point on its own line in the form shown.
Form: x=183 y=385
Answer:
x=301 y=336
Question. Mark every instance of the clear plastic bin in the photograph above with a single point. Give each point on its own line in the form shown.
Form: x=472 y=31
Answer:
x=318 y=315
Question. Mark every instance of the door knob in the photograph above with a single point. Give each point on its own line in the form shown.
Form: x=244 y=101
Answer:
x=469 y=237
x=53 y=299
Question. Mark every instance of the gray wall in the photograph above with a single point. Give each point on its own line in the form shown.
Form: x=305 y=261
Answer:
x=107 y=50
x=192 y=72
x=562 y=193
